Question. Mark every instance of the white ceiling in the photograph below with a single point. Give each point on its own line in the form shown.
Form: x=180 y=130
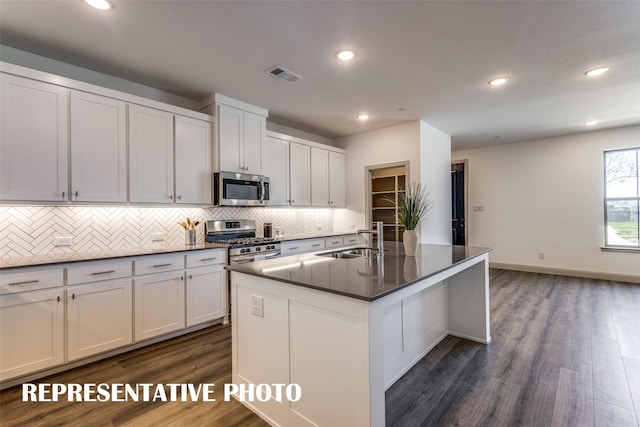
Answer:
x=432 y=59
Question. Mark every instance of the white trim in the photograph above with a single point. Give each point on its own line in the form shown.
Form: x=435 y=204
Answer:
x=30 y=73
x=630 y=278
x=218 y=98
x=314 y=144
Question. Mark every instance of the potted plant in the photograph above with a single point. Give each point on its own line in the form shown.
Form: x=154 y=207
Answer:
x=413 y=206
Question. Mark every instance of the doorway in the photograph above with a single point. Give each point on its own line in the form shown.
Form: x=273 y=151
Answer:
x=458 y=203
x=385 y=183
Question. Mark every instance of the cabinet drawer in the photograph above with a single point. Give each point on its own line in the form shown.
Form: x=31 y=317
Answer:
x=30 y=279
x=333 y=242
x=299 y=246
x=212 y=257
x=96 y=271
x=352 y=239
x=158 y=263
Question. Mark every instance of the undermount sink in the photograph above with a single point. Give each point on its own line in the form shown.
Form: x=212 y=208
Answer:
x=351 y=253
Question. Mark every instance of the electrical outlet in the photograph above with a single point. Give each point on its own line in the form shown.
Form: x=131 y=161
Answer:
x=158 y=237
x=540 y=255
x=257 y=306
x=63 y=241
x=352 y=227
x=478 y=208
x=319 y=227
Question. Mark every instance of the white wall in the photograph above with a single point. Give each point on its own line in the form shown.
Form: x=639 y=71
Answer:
x=546 y=196
x=428 y=152
x=388 y=145
x=435 y=173
x=277 y=127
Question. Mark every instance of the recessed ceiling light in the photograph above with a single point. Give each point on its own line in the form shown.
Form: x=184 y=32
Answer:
x=345 y=55
x=596 y=71
x=363 y=117
x=99 y=4
x=498 y=81
x=591 y=123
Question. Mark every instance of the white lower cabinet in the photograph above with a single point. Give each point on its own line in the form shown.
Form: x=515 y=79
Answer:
x=159 y=304
x=205 y=294
x=31 y=331
x=99 y=317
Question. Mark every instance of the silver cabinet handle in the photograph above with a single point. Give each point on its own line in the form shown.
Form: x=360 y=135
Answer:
x=316 y=245
x=179 y=197
x=191 y=276
x=182 y=278
x=103 y=272
x=294 y=247
x=73 y=296
x=26 y=282
x=208 y=259
x=170 y=196
x=58 y=298
x=161 y=265
x=335 y=243
x=63 y=193
x=76 y=193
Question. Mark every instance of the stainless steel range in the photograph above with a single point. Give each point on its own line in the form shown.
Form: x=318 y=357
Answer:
x=240 y=237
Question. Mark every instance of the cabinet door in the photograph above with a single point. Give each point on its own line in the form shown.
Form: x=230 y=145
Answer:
x=150 y=155
x=193 y=161
x=230 y=123
x=31 y=332
x=159 y=304
x=99 y=317
x=300 y=167
x=206 y=294
x=34 y=140
x=337 y=184
x=276 y=166
x=319 y=177
x=254 y=128
x=98 y=148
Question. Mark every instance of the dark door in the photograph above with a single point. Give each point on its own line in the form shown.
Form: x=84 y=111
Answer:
x=458 y=235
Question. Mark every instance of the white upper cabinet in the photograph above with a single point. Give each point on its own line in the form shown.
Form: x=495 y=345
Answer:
x=337 y=179
x=240 y=138
x=150 y=155
x=193 y=161
x=276 y=166
x=98 y=148
x=327 y=178
x=300 y=174
x=320 y=177
x=33 y=140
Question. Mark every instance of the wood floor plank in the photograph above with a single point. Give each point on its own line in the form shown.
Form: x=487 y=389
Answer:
x=553 y=361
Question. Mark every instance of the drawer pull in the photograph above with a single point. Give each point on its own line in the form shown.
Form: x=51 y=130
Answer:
x=316 y=245
x=26 y=282
x=161 y=265
x=103 y=272
x=208 y=259
x=293 y=248
x=335 y=243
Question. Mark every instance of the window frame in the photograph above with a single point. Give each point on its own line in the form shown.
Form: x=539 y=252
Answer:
x=607 y=245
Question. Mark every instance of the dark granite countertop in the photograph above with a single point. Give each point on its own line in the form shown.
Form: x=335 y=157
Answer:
x=7 y=263
x=361 y=278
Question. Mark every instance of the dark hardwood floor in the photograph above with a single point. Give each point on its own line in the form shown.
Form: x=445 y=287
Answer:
x=565 y=352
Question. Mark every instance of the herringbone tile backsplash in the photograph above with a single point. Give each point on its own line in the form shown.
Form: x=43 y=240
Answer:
x=31 y=230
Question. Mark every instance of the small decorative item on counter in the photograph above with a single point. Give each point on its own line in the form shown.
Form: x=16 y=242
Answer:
x=190 y=231
x=413 y=205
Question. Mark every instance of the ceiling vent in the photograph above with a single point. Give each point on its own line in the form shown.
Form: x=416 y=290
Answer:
x=283 y=74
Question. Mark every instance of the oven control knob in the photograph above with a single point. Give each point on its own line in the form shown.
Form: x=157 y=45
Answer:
x=243 y=250
x=258 y=249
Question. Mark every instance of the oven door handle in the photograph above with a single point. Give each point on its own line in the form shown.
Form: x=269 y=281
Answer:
x=243 y=260
x=272 y=255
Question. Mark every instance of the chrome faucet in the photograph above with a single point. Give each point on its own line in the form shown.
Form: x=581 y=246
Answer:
x=378 y=232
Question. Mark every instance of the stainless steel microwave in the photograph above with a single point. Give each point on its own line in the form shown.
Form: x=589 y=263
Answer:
x=239 y=189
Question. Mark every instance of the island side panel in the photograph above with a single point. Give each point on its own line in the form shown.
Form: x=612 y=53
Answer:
x=468 y=302
x=312 y=338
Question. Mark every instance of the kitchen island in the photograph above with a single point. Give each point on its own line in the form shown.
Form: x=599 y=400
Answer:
x=346 y=329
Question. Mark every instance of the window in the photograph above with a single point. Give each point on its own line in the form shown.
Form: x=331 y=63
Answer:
x=622 y=198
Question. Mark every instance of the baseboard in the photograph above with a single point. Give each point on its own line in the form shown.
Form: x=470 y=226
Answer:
x=630 y=278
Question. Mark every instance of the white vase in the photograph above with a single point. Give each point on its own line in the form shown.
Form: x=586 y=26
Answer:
x=410 y=242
